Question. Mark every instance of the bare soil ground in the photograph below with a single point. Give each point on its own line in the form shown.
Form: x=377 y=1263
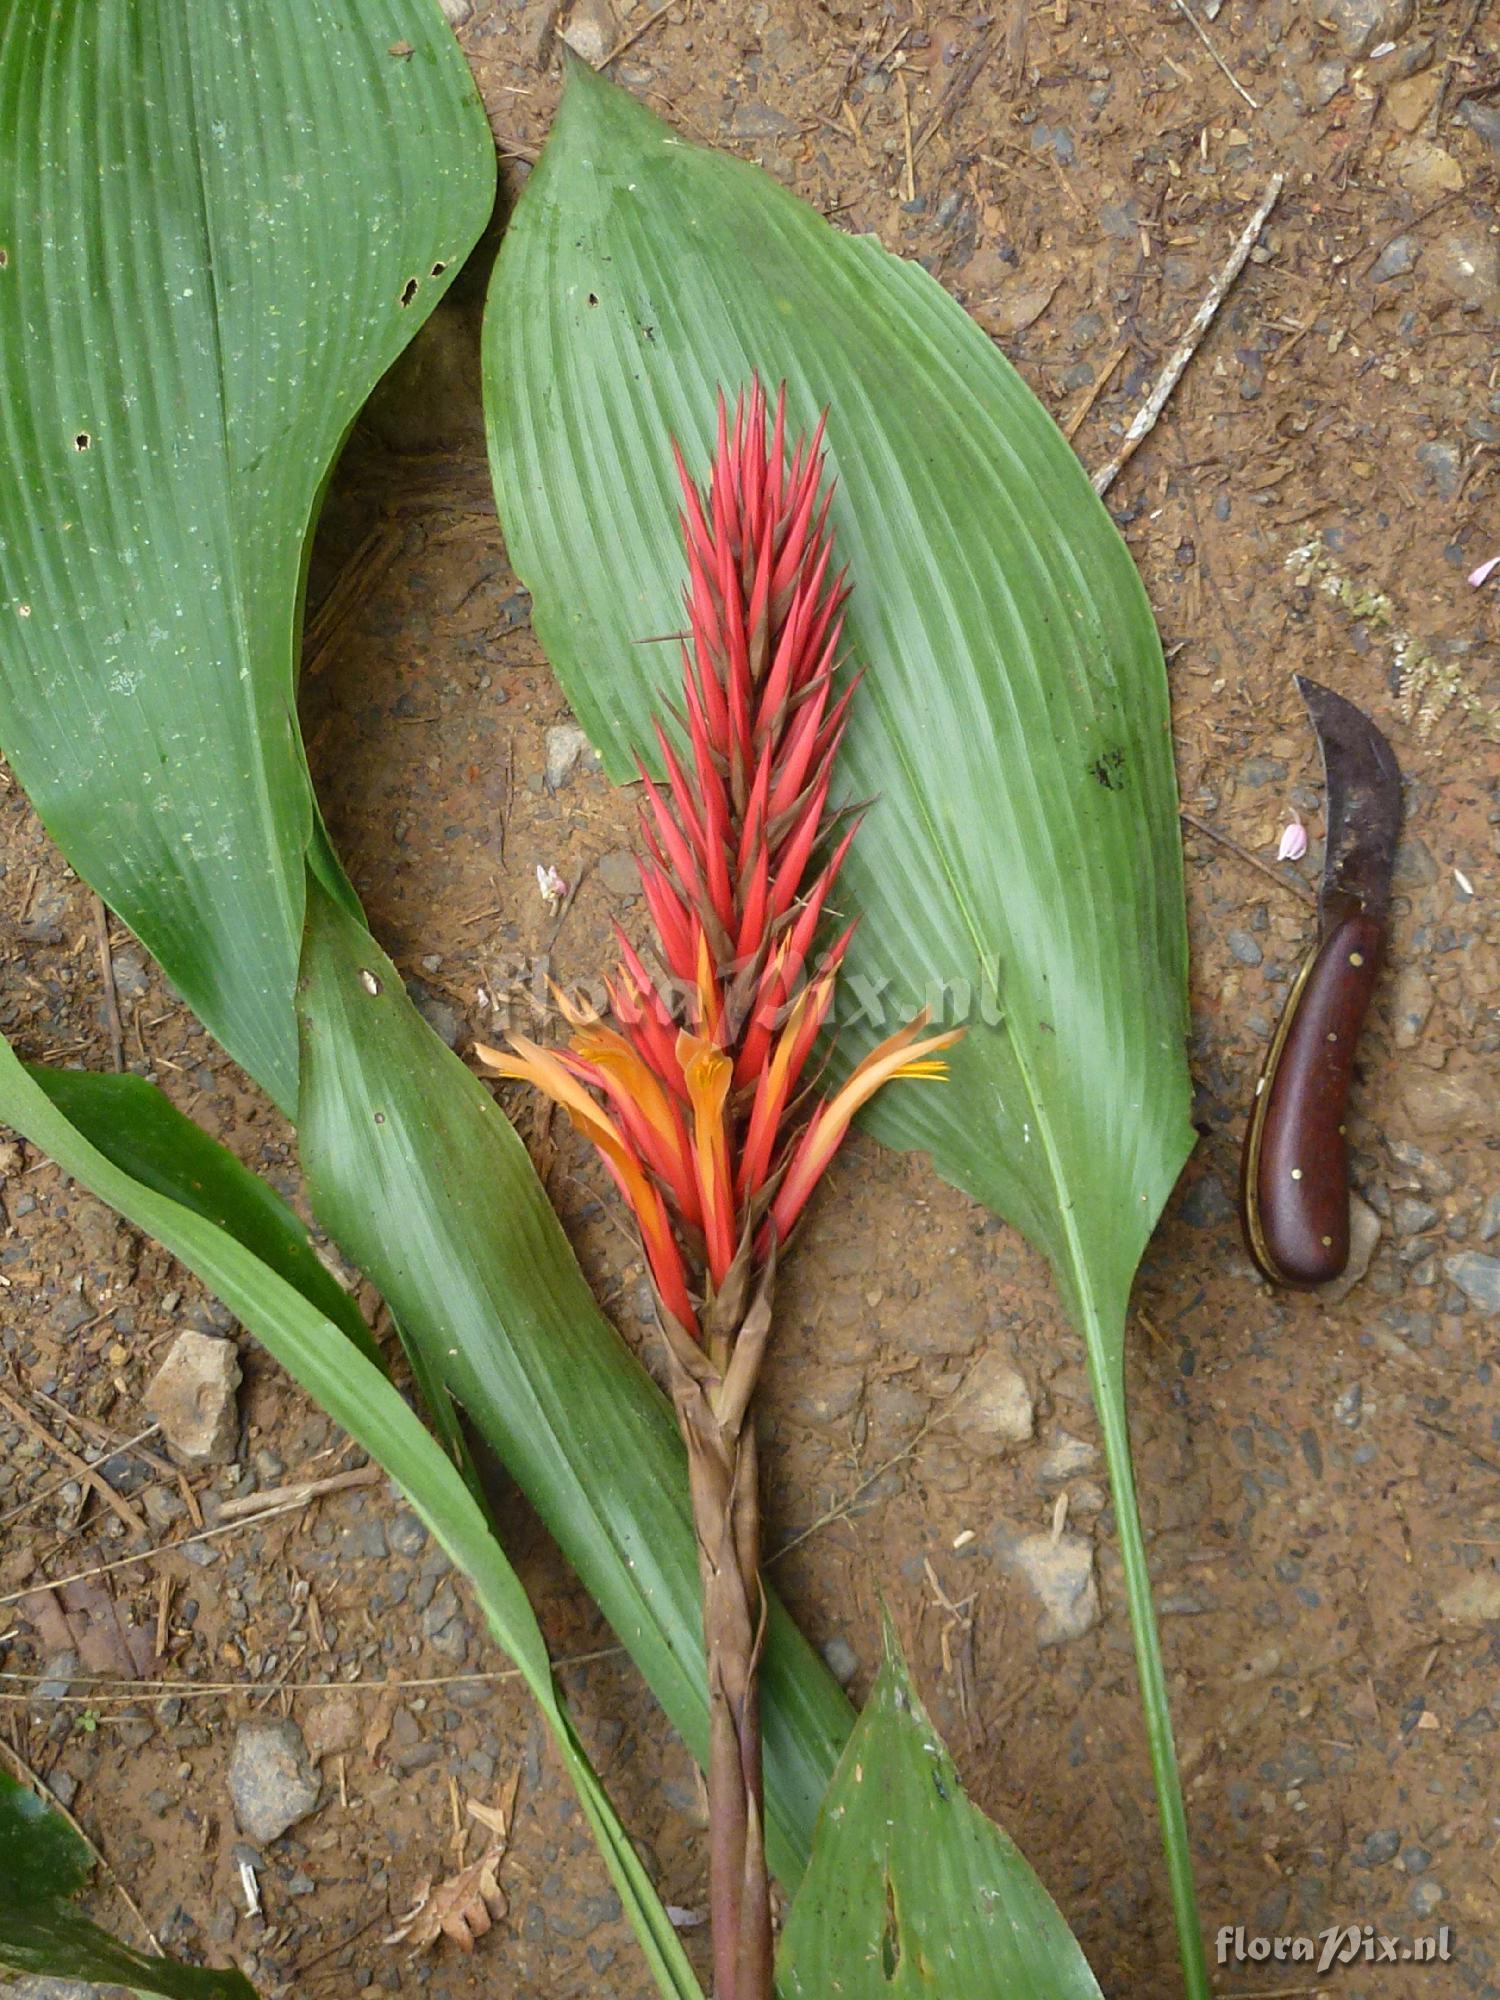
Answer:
x=1319 y=1480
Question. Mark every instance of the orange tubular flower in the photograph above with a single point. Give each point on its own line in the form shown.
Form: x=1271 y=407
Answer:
x=702 y=1120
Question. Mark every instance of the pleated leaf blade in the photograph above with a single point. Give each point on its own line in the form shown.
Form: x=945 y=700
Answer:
x=220 y=225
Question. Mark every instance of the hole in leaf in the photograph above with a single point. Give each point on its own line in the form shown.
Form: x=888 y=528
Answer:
x=439 y=268
x=408 y=291
x=593 y=298
x=890 y=1940
x=82 y=441
x=4 y=256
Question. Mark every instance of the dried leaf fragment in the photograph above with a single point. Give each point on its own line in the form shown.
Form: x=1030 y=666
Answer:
x=462 y=1908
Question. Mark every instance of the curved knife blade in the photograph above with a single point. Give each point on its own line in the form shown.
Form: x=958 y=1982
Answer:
x=1295 y=1184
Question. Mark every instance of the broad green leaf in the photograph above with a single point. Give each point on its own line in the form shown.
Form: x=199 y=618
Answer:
x=144 y=1134
x=419 y=1176
x=1020 y=864
x=359 y=1398
x=912 y=1894
x=220 y=225
x=43 y=1865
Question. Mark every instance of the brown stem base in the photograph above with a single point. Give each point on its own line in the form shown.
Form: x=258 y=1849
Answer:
x=713 y=1413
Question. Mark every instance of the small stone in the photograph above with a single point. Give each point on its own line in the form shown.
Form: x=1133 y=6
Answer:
x=1409 y=100
x=1466 y=261
x=1363 y=25
x=1245 y=948
x=1425 y=1897
x=1410 y=1005
x=590 y=30
x=1429 y=171
x=1020 y=304
x=752 y=120
x=271 y=1779
x=445 y=1021
x=620 y=874
x=1263 y=770
x=1397 y=258
x=842 y=1660
x=1061 y=1575
x=60 y=1671
x=1379 y=1848
x=1428 y=1172
x=1349 y=1405
x=192 y=1397
x=1477 y=1277
x=1067 y=1457
x=1483 y=120
x=567 y=749
x=331 y=1724
x=405 y=1534
x=1412 y=1217
x=994 y=1406
x=1489 y=1219
x=1443 y=466
x=1475 y=1600
x=1328 y=79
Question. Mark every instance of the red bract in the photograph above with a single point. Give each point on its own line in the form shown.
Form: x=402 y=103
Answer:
x=696 y=1099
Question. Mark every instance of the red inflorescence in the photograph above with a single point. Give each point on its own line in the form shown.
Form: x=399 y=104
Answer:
x=694 y=1099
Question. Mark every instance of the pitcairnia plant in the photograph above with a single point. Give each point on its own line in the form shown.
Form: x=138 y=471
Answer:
x=700 y=1099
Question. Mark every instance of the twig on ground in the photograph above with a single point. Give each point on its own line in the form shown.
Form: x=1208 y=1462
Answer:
x=1072 y=427
x=1287 y=882
x=46 y=1492
x=27 y=1776
x=1202 y=33
x=1145 y=418
x=632 y=35
x=79 y=1467
x=109 y=1687
x=911 y=165
x=298 y=1492
x=966 y=76
x=111 y=991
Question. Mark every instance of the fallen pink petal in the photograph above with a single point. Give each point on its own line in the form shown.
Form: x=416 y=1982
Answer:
x=1293 y=841
x=1484 y=572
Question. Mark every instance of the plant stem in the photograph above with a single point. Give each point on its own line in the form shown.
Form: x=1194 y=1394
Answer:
x=723 y=1478
x=1109 y=1398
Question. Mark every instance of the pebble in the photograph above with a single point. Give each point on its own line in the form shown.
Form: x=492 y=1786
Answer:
x=192 y=1397
x=995 y=1405
x=1412 y=1217
x=1348 y=1405
x=271 y=1779
x=1442 y=464
x=1379 y=1848
x=751 y=120
x=567 y=750
x=1397 y=258
x=1483 y=120
x=1061 y=1576
x=405 y=1534
x=1410 y=1005
x=1425 y=1897
x=1067 y=1457
x=1430 y=1174
x=1475 y=1600
x=1477 y=1277
x=1467 y=262
x=841 y=1659
x=1245 y=948
x=620 y=874
x=1363 y=25
x=1489 y=1219
x=1328 y=79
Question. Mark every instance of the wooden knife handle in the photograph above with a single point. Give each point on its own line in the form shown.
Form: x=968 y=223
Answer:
x=1295 y=1189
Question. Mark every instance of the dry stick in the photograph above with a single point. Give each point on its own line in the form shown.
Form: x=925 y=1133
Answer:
x=46 y=1492
x=109 y=1687
x=1228 y=840
x=963 y=82
x=80 y=1468
x=632 y=35
x=1074 y=423
x=298 y=1492
x=111 y=991
x=27 y=1776
x=1202 y=33
x=1145 y=418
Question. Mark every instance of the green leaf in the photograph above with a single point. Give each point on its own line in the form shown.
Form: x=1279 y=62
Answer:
x=146 y=1136
x=1020 y=864
x=419 y=1176
x=359 y=1398
x=912 y=1894
x=210 y=219
x=43 y=1865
